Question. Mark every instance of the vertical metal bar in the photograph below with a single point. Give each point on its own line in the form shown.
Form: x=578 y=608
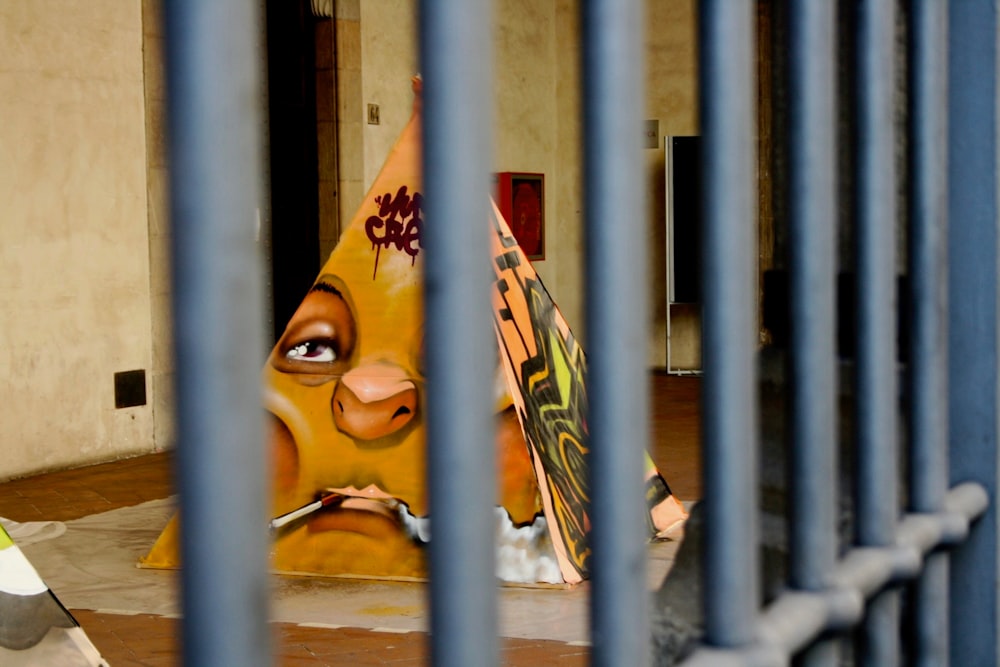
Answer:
x=875 y=368
x=213 y=106
x=616 y=326
x=928 y=322
x=813 y=220
x=972 y=301
x=729 y=386
x=455 y=53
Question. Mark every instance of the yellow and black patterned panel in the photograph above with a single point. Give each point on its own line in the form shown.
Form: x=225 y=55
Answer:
x=551 y=373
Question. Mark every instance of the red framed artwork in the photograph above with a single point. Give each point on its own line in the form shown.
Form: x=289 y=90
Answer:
x=521 y=200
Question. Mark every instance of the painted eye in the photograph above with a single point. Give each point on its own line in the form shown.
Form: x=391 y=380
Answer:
x=312 y=350
x=321 y=336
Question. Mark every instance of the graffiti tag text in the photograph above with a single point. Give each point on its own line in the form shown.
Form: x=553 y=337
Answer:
x=397 y=223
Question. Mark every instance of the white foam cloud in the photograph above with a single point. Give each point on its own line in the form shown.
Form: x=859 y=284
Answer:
x=525 y=554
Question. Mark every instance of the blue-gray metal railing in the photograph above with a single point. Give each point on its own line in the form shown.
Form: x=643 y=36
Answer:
x=813 y=499
x=972 y=312
x=729 y=385
x=927 y=261
x=616 y=323
x=829 y=593
x=213 y=89
x=455 y=57
x=876 y=394
x=214 y=150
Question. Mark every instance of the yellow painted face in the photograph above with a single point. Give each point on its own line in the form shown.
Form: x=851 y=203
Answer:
x=345 y=390
x=345 y=381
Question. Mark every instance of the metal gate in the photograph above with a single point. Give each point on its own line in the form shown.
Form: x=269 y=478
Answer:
x=951 y=381
x=930 y=542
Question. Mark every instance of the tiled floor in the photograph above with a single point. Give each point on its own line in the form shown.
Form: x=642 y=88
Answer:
x=144 y=639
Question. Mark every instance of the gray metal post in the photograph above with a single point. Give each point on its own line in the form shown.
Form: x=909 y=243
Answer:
x=928 y=288
x=875 y=367
x=812 y=224
x=973 y=332
x=456 y=52
x=729 y=387
x=214 y=122
x=616 y=326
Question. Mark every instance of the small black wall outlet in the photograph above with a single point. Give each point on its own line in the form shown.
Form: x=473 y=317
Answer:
x=130 y=389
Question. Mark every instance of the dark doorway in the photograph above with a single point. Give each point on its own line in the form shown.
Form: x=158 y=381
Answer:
x=686 y=194
x=294 y=179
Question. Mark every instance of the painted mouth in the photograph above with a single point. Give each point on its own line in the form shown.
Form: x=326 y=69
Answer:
x=524 y=552
x=371 y=500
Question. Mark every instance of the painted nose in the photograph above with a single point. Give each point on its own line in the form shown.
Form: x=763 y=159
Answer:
x=374 y=401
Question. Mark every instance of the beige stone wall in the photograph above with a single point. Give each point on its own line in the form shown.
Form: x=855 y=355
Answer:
x=351 y=183
x=672 y=99
x=162 y=366
x=539 y=129
x=528 y=120
x=75 y=284
x=388 y=62
x=326 y=137
x=565 y=221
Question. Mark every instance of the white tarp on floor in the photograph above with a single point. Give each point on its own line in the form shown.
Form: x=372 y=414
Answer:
x=91 y=564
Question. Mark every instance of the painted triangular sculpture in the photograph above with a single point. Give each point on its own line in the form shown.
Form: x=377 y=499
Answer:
x=344 y=390
x=35 y=628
